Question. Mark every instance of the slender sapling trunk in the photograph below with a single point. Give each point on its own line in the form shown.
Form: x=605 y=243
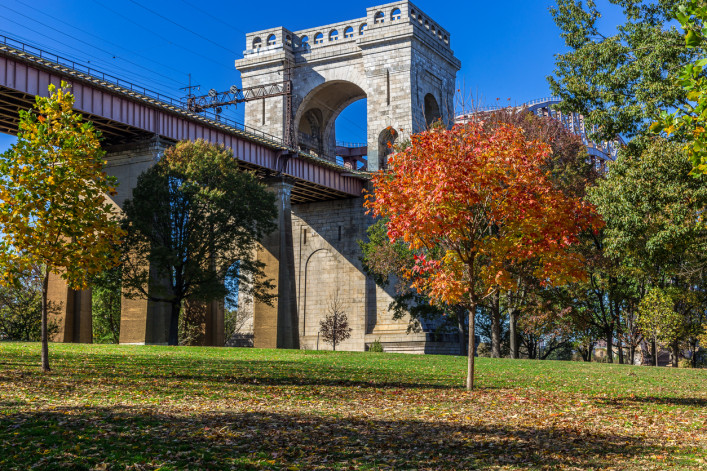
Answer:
x=496 y=326
x=45 y=335
x=513 y=325
x=472 y=348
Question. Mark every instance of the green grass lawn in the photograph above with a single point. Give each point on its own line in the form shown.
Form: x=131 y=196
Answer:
x=134 y=407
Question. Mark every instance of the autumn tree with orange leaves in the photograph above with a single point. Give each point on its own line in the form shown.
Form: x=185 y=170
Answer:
x=53 y=206
x=473 y=202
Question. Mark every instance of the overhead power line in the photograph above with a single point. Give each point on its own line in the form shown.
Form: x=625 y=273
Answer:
x=135 y=53
x=75 y=39
x=216 y=18
x=134 y=2
x=167 y=40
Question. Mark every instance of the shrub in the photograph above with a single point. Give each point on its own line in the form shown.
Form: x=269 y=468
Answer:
x=376 y=346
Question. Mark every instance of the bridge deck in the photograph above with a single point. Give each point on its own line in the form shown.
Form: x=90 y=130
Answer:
x=125 y=115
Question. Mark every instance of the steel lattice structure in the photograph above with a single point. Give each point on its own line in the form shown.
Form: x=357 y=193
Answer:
x=574 y=122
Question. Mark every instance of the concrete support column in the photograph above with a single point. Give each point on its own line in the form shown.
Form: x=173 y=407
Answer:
x=277 y=326
x=207 y=322
x=70 y=311
x=214 y=328
x=144 y=322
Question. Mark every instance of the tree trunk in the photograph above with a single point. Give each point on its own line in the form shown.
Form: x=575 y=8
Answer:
x=174 y=325
x=496 y=326
x=693 y=359
x=45 y=334
x=460 y=327
x=676 y=354
x=654 y=351
x=610 y=345
x=532 y=347
x=472 y=348
x=620 y=346
x=513 y=326
x=632 y=354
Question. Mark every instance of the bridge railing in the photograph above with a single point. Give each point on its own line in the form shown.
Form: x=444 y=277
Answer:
x=78 y=67
x=64 y=62
x=351 y=145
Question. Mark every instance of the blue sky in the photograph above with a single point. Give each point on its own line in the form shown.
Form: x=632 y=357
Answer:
x=506 y=48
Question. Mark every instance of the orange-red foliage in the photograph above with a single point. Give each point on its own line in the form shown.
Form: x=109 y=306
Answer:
x=482 y=196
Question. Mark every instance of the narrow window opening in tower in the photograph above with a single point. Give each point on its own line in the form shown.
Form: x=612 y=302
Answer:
x=387 y=86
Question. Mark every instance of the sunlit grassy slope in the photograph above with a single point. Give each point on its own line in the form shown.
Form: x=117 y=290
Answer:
x=134 y=407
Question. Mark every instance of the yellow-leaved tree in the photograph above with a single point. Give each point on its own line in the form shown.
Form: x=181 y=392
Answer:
x=53 y=205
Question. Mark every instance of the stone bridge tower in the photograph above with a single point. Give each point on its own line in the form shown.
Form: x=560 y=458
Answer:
x=401 y=62
x=396 y=57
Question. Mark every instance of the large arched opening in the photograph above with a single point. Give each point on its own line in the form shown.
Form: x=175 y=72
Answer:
x=331 y=122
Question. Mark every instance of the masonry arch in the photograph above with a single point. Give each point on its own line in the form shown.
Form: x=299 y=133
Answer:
x=323 y=104
x=386 y=139
x=432 y=111
x=316 y=298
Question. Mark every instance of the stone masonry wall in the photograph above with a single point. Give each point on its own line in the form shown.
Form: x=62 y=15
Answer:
x=328 y=264
x=396 y=57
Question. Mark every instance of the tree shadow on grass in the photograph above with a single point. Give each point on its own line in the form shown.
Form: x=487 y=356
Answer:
x=243 y=372
x=662 y=400
x=148 y=438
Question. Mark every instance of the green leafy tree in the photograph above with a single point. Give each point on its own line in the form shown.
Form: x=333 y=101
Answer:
x=619 y=79
x=192 y=228
x=53 y=206
x=21 y=308
x=653 y=210
x=106 y=290
x=658 y=318
x=654 y=234
x=689 y=121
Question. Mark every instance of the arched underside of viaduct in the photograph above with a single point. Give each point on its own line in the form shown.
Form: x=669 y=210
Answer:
x=316 y=116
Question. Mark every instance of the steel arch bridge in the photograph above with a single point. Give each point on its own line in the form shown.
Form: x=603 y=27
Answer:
x=574 y=122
